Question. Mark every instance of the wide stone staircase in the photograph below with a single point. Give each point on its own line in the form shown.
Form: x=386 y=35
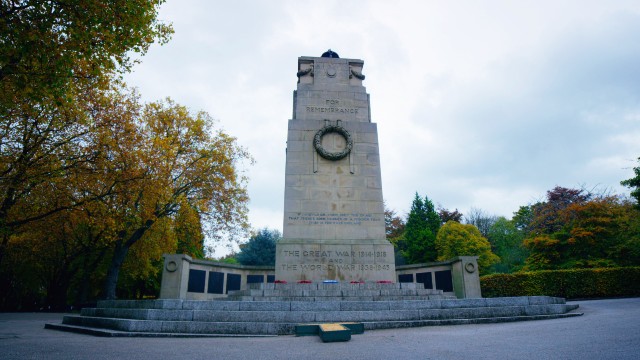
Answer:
x=275 y=309
x=337 y=292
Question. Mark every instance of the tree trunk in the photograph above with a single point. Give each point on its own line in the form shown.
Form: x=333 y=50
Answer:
x=119 y=254
x=5 y=241
x=111 y=282
x=88 y=268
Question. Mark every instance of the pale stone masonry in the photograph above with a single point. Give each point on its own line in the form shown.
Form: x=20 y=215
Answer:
x=333 y=210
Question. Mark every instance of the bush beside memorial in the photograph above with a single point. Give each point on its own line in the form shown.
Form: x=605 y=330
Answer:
x=572 y=284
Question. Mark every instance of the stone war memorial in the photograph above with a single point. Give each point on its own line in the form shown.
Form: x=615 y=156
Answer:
x=335 y=273
x=333 y=211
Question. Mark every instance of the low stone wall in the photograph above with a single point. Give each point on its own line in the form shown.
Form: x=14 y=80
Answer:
x=192 y=279
x=458 y=276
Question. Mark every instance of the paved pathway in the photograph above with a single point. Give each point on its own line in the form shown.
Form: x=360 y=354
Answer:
x=609 y=329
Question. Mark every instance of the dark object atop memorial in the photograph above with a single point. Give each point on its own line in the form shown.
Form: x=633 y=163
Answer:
x=331 y=54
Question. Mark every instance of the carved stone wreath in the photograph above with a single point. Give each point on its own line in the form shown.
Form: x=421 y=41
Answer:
x=470 y=267
x=317 y=142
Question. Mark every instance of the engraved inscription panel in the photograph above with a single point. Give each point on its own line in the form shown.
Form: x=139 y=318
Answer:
x=320 y=218
x=340 y=262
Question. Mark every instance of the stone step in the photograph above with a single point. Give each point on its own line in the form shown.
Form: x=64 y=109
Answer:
x=148 y=304
x=336 y=298
x=179 y=327
x=334 y=293
x=116 y=333
x=336 y=305
x=335 y=286
x=419 y=323
x=341 y=315
x=194 y=328
x=280 y=317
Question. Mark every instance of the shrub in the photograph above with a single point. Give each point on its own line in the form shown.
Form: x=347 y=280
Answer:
x=574 y=283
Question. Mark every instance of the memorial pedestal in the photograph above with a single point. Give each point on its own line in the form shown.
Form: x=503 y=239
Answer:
x=333 y=208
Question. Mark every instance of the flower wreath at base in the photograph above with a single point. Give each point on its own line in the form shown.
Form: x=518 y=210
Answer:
x=317 y=142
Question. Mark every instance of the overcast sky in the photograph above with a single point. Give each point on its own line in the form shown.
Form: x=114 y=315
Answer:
x=484 y=104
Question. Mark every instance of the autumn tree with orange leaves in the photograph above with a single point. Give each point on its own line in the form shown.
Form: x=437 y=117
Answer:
x=87 y=173
x=162 y=161
x=577 y=229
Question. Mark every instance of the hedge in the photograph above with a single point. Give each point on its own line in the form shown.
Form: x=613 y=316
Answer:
x=575 y=283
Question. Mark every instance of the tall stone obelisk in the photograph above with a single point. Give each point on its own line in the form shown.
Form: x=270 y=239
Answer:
x=333 y=211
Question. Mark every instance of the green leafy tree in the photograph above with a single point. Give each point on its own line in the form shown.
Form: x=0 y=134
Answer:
x=422 y=226
x=634 y=184
x=522 y=218
x=507 y=243
x=47 y=45
x=455 y=239
x=627 y=250
x=57 y=58
x=261 y=248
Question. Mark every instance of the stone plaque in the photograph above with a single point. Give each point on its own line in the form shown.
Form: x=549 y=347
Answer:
x=444 y=281
x=196 y=281
x=255 y=279
x=425 y=278
x=233 y=282
x=216 y=282
x=333 y=211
